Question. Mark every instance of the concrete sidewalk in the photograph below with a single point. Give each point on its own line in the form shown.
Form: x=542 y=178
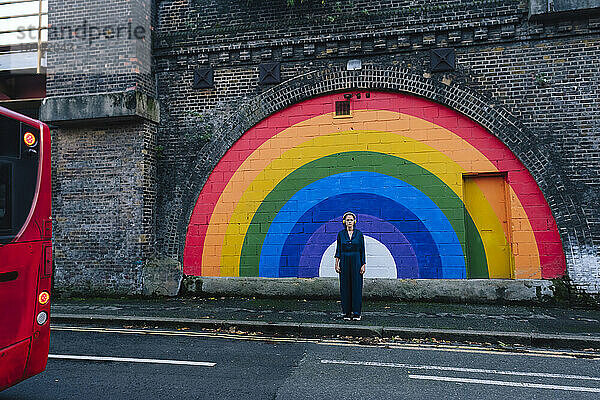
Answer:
x=525 y=325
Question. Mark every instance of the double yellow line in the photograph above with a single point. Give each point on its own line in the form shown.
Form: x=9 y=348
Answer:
x=338 y=342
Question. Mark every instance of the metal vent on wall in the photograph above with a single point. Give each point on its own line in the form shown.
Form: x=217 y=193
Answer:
x=269 y=73
x=342 y=108
x=442 y=60
x=204 y=78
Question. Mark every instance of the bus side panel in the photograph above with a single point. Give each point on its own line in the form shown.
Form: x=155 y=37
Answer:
x=18 y=283
x=25 y=272
x=12 y=364
x=40 y=344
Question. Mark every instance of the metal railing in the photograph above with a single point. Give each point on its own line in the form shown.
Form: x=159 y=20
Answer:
x=23 y=25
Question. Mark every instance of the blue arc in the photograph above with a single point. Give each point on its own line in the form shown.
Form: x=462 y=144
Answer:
x=362 y=182
x=388 y=210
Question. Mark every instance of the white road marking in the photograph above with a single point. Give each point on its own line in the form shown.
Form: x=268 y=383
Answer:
x=505 y=383
x=132 y=360
x=457 y=369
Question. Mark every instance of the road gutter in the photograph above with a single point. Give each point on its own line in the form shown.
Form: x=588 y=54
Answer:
x=557 y=341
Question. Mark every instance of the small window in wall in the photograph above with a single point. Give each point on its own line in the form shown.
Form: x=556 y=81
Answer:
x=342 y=109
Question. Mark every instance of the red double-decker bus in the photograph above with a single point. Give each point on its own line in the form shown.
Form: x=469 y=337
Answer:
x=25 y=247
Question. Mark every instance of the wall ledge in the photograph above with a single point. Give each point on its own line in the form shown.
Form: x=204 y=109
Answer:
x=482 y=291
x=114 y=106
x=562 y=8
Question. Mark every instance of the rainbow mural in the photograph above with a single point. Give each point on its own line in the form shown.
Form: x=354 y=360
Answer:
x=436 y=195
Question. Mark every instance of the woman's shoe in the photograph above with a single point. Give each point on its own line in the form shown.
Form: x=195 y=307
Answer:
x=347 y=317
x=356 y=317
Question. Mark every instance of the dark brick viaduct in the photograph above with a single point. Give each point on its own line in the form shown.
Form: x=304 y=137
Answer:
x=134 y=141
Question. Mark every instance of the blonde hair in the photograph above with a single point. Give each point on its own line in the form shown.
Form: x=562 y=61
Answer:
x=345 y=215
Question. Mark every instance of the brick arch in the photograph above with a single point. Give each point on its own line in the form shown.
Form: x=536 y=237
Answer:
x=498 y=121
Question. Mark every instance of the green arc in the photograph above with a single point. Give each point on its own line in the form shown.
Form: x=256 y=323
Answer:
x=429 y=184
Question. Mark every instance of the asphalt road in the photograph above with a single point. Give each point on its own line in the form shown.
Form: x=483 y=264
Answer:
x=96 y=363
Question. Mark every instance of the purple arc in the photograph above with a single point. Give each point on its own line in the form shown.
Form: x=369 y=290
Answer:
x=392 y=238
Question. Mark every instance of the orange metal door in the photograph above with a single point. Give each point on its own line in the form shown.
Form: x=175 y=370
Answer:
x=481 y=192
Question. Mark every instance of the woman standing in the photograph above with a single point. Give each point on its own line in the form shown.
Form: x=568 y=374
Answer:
x=350 y=263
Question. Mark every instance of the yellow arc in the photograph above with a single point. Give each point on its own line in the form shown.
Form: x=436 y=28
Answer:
x=442 y=152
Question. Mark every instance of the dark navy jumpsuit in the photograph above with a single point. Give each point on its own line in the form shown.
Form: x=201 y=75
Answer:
x=351 y=253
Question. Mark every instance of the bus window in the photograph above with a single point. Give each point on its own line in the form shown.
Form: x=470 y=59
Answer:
x=10 y=140
x=4 y=196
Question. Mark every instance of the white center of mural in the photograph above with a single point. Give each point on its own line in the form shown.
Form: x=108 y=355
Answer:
x=380 y=263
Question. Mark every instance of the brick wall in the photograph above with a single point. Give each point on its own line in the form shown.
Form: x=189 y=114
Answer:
x=539 y=71
x=98 y=46
x=104 y=178
x=102 y=206
x=531 y=83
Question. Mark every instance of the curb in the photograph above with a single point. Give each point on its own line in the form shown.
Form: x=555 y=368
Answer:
x=557 y=341
x=288 y=328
